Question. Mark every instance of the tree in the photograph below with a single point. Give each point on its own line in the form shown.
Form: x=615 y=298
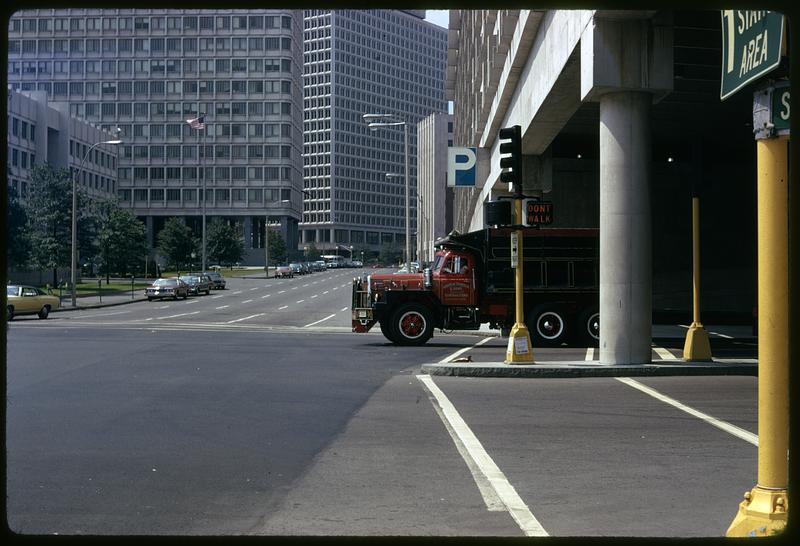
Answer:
x=223 y=243
x=17 y=245
x=313 y=253
x=49 y=211
x=277 y=247
x=175 y=242
x=121 y=238
x=390 y=253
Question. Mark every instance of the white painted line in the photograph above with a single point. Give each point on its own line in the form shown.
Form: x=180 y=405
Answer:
x=723 y=425
x=721 y=335
x=684 y=326
x=247 y=301
x=255 y=288
x=736 y=360
x=163 y=307
x=343 y=309
x=222 y=306
x=321 y=320
x=335 y=288
x=244 y=318
x=178 y=315
x=464 y=350
x=664 y=354
x=314 y=296
x=282 y=291
x=190 y=302
x=108 y=314
x=480 y=458
x=294 y=288
x=589 y=353
x=325 y=292
x=300 y=301
x=284 y=307
x=237 y=292
x=268 y=295
x=305 y=285
x=216 y=297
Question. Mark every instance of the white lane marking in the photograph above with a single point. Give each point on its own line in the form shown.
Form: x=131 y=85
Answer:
x=325 y=292
x=244 y=318
x=282 y=291
x=163 y=307
x=216 y=297
x=684 y=326
x=345 y=284
x=305 y=285
x=300 y=301
x=190 y=302
x=464 y=350
x=254 y=288
x=335 y=288
x=343 y=309
x=268 y=295
x=721 y=335
x=314 y=296
x=222 y=306
x=321 y=320
x=589 y=353
x=247 y=301
x=108 y=314
x=723 y=425
x=480 y=458
x=237 y=292
x=664 y=354
x=178 y=315
x=294 y=288
x=284 y=307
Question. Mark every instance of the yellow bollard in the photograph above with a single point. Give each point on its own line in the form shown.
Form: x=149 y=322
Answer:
x=697 y=346
x=764 y=509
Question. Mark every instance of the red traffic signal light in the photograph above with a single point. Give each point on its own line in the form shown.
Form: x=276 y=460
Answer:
x=513 y=161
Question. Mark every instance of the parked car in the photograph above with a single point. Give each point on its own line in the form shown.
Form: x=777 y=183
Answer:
x=167 y=288
x=297 y=268
x=320 y=265
x=198 y=283
x=357 y=263
x=29 y=300
x=284 y=271
x=217 y=279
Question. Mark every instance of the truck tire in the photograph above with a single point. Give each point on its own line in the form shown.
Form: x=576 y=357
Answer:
x=547 y=325
x=412 y=324
x=588 y=327
x=386 y=330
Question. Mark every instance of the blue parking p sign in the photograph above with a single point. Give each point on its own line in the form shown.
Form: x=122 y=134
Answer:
x=461 y=166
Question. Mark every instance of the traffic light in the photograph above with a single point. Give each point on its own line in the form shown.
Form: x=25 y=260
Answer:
x=514 y=161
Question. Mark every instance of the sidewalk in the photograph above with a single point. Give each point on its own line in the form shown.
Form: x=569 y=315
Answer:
x=93 y=301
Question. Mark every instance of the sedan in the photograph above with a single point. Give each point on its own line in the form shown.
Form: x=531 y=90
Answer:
x=167 y=288
x=284 y=271
x=217 y=279
x=198 y=284
x=29 y=300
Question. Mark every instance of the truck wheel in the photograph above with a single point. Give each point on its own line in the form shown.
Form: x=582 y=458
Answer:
x=589 y=326
x=386 y=330
x=412 y=323
x=547 y=326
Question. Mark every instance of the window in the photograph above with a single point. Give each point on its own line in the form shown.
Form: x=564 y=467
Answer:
x=173 y=194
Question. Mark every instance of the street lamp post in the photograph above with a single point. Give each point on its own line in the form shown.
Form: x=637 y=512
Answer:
x=392 y=121
x=74 y=261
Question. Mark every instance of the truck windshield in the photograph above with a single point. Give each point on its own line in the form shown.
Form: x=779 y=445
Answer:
x=437 y=263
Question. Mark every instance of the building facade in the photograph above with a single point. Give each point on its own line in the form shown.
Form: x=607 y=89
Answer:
x=40 y=133
x=365 y=62
x=434 y=198
x=148 y=71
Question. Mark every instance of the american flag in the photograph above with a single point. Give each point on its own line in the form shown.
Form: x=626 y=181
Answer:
x=197 y=123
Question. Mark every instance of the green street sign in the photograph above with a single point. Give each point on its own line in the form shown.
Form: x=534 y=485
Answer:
x=781 y=100
x=751 y=47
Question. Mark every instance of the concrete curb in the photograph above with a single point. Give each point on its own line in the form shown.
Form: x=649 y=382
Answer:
x=97 y=305
x=569 y=369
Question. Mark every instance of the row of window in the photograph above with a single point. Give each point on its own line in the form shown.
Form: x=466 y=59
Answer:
x=217 y=151
x=352 y=236
x=258 y=174
x=175 y=68
x=78 y=47
x=19 y=158
x=215 y=196
x=235 y=130
x=22 y=129
x=153 y=23
x=111 y=110
x=98 y=157
x=382 y=220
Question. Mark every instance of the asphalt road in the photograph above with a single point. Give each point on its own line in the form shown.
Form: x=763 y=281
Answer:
x=255 y=411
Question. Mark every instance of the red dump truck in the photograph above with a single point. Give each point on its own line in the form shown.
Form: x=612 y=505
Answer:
x=471 y=282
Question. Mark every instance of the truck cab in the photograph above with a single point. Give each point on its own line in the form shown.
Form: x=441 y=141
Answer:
x=453 y=277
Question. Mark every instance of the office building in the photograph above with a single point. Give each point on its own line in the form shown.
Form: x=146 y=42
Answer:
x=148 y=71
x=365 y=62
x=434 y=198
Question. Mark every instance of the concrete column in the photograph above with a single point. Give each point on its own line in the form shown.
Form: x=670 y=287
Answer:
x=625 y=228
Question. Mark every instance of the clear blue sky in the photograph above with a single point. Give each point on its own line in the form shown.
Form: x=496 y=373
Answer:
x=437 y=16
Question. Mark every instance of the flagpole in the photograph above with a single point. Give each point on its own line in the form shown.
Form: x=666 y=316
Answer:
x=204 y=189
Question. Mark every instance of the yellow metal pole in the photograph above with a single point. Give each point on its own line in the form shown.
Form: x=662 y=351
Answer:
x=764 y=508
x=519 y=349
x=696 y=346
